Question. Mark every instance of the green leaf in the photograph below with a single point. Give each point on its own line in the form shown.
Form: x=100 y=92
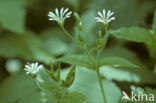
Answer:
x=55 y=90
x=51 y=87
x=70 y=77
x=88 y=31
x=135 y=34
x=27 y=46
x=122 y=74
x=116 y=61
x=152 y=47
x=119 y=52
x=152 y=50
x=113 y=73
x=74 y=97
x=80 y=60
x=15 y=19
x=86 y=82
x=21 y=89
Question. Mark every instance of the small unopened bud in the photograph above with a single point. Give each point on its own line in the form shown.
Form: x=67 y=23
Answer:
x=80 y=26
x=81 y=40
x=100 y=34
x=76 y=15
x=52 y=72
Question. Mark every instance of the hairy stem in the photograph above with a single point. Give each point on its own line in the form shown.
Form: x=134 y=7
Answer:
x=101 y=86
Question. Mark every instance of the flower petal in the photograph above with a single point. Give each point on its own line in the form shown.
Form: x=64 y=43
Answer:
x=28 y=67
x=57 y=12
x=99 y=13
x=27 y=72
x=40 y=67
x=36 y=64
x=51 y=19
x=65 y=11
x=112 y=18
x=32 y=65
x=61 y=12
x=104 y=13
x=68 y=14
x=110 y=14
x=51 y=14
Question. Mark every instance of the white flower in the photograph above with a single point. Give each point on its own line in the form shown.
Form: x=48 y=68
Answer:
x=33 y=68
x=59 y=16
x=105 y=17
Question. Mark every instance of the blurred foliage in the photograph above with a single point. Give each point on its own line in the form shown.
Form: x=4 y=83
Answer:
x=20 y=89
x=27 y=35
x=27 y=46
x=15 y=19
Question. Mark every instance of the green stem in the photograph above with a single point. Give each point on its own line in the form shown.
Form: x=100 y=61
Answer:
x=97 y=65
x=66 y=32
x=88 y=54
x=101 y=86
x=105 y=37
x=85 y=48
x=98 y=53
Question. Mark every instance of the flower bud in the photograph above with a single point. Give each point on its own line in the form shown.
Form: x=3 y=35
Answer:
x=100 y=34
x=81 y=40
x=76 y=15
x=80 y=26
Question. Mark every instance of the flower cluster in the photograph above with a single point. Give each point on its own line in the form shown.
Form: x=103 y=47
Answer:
x=33 y=68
